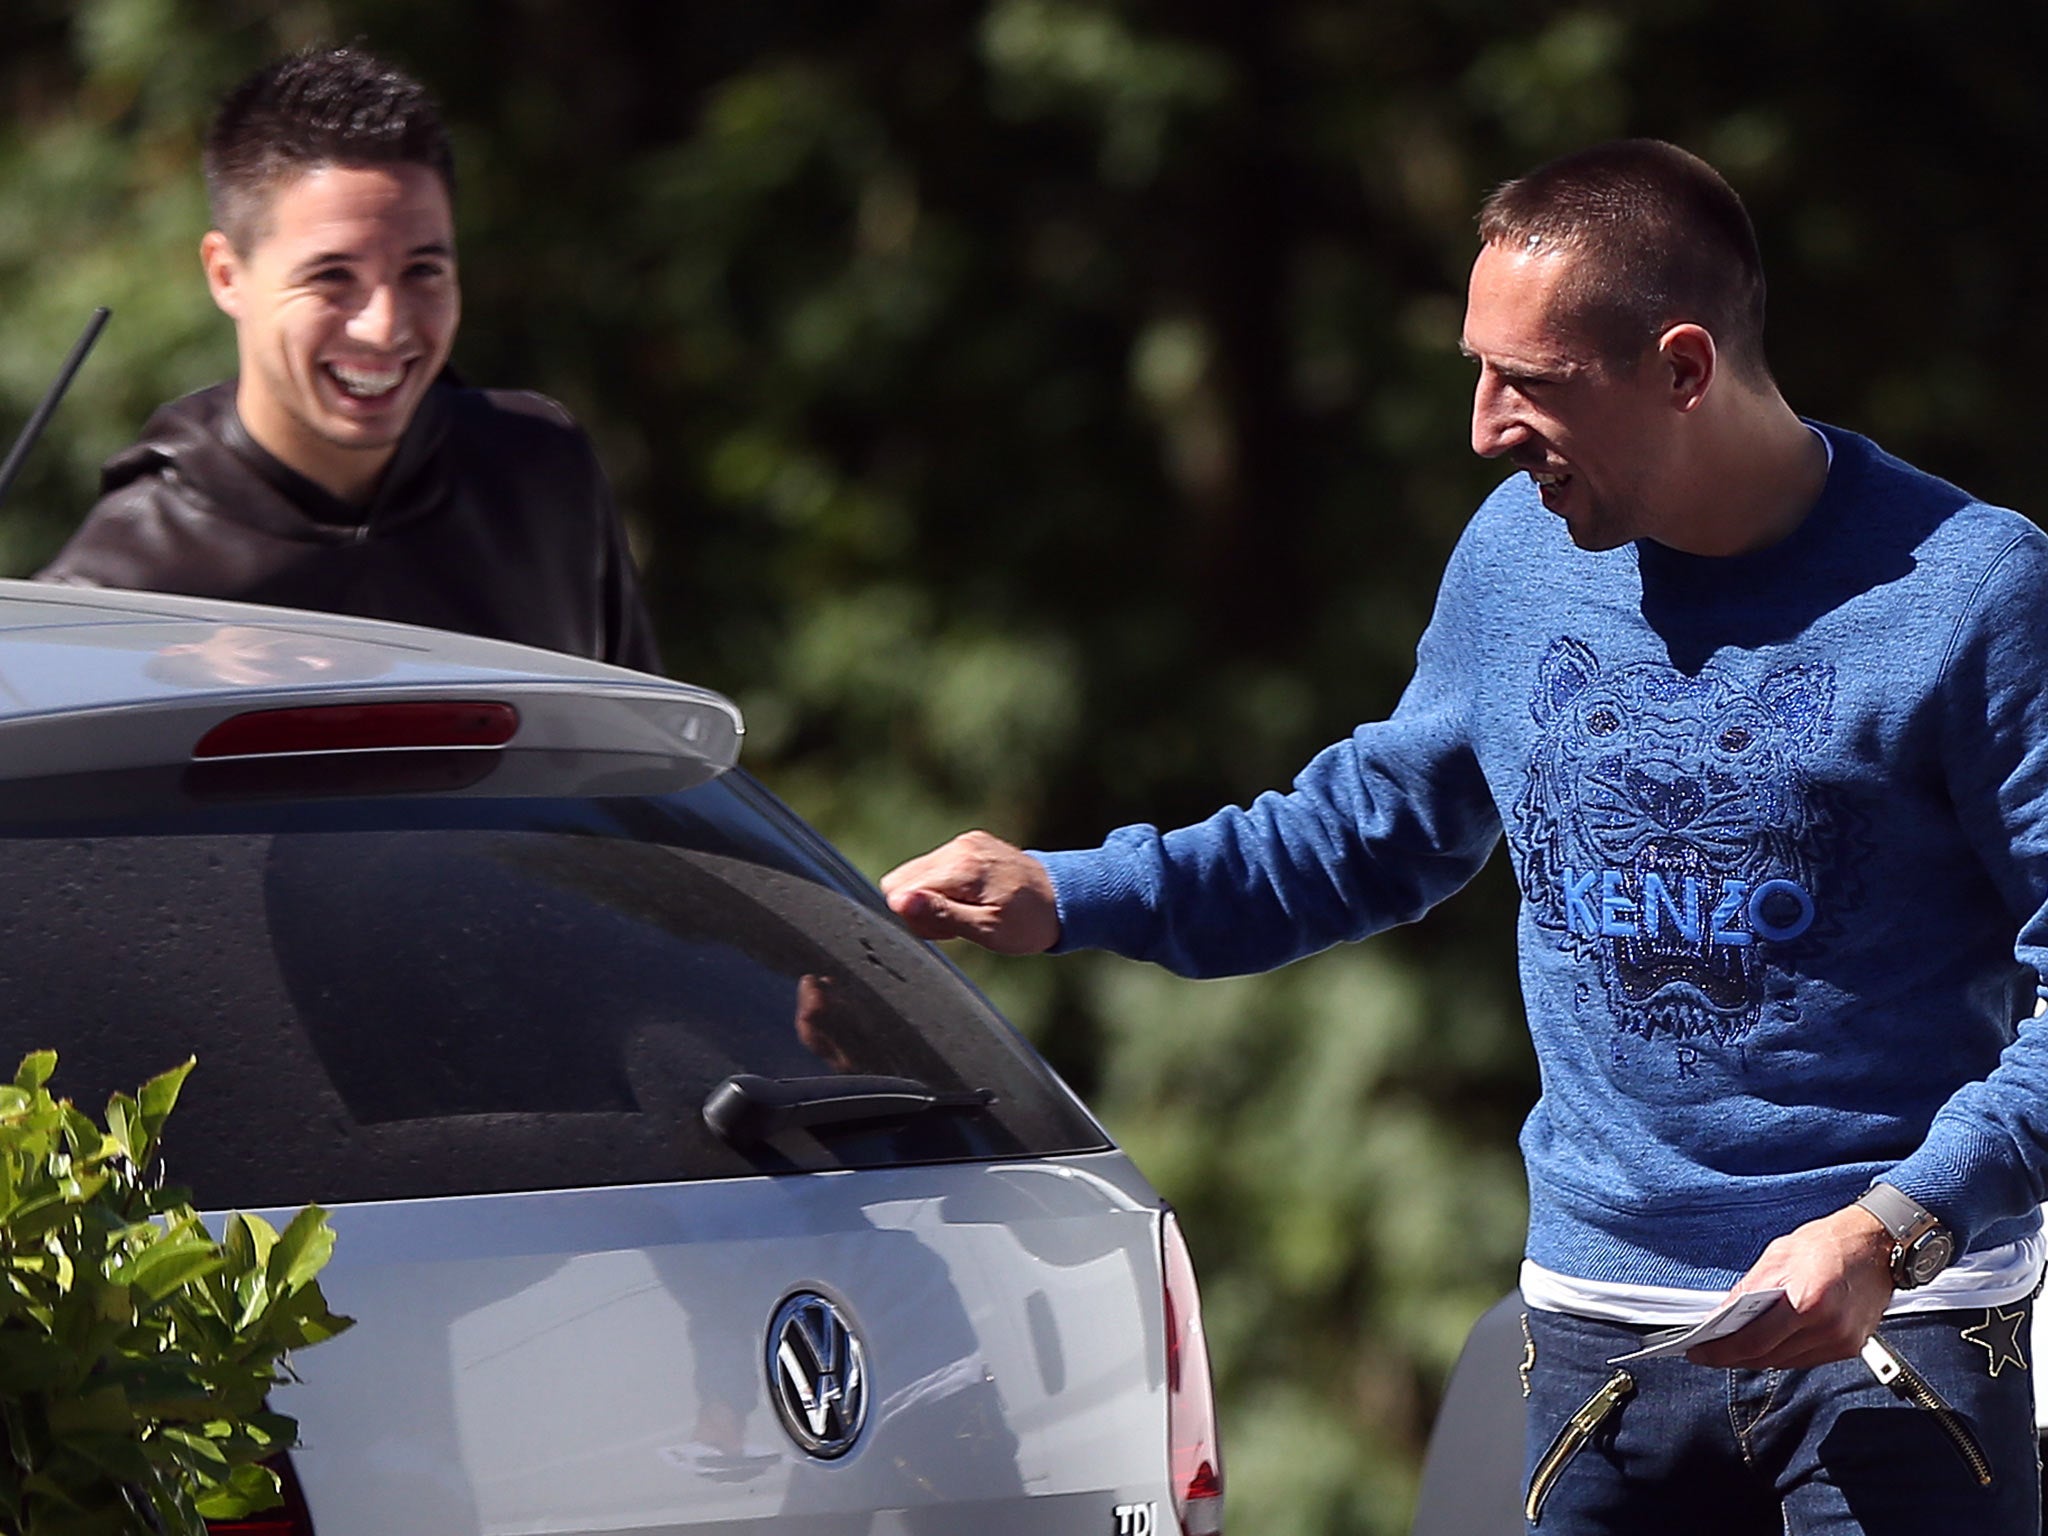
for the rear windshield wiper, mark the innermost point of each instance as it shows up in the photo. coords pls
(746, 1110)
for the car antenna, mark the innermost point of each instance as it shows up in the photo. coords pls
(48, 407)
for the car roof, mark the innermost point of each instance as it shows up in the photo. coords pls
(96, 680)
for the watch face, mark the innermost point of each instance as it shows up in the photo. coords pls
(1928, 1257)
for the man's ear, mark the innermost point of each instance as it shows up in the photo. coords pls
(1688, 359)
(223, 270)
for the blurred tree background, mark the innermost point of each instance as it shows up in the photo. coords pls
(1045, 414)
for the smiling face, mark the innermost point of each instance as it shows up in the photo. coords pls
(345, 306)
(1591, 432)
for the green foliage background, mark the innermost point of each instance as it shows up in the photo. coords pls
(1044, 414)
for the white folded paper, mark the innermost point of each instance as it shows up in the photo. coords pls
(1732, 1314)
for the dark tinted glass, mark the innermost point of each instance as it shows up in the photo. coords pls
(421, 997)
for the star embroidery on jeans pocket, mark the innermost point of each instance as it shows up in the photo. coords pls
(1999, 1337)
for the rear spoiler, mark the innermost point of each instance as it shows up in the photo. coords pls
(512, 736)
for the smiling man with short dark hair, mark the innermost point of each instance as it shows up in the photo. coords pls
(343, 469)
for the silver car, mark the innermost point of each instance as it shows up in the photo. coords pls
(676, 1187)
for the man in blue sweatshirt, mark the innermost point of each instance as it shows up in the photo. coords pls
(1759, 710)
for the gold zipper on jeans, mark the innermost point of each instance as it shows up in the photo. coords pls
(1892, 1371)
(1572, 1439)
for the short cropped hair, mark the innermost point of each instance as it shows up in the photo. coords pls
(324, 106)
(1661, 239)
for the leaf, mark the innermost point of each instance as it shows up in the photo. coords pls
(35, 1070)
(279, 1431)
(302, 1250)
(121, 1113)
(32, 1220)
(87, 1140)
(63, 1270)
(192, 1407)
(176, 1514)
(160, 1269)
(194, 1451)
(162, 1385)
(314, 1323)
(249, 1241)
(247, 1490)
(255, 1297)
(158, 1097)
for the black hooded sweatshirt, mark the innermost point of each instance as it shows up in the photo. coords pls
(492, 518)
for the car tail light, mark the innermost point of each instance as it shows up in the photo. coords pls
(403, 725)
(1194, 1455)
(289, 1519)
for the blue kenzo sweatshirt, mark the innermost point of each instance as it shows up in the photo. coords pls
(1780, 824)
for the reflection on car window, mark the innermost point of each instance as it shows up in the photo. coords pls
(537, 994)
(515, 968)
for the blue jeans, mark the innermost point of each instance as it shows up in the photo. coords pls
(1685, 1448)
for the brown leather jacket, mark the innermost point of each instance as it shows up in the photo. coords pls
(492, 519)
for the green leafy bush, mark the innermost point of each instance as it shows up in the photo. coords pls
(135, 1350)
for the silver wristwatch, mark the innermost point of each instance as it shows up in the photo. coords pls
(1921, 1246)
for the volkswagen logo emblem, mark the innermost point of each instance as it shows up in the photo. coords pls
(817, 1375)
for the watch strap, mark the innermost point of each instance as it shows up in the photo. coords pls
(1904, 1217)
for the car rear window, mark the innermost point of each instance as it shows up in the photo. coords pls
(402, 998)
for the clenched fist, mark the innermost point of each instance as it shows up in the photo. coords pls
(977, 887)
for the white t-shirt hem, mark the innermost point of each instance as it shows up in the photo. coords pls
(1996, 1277)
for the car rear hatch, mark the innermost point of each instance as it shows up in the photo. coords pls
(486, 1034)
